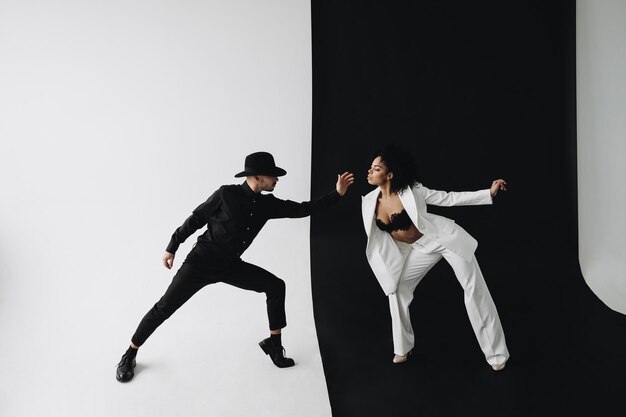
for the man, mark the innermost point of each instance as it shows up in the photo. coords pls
(234, 215)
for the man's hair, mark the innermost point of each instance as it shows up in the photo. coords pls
(399, 161)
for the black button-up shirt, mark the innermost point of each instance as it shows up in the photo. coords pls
(234, 215)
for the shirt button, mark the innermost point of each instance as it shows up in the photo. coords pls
(251, 214)
(254, 201)
(244, 242)
(247, 228)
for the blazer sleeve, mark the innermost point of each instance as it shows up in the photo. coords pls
(454, 198)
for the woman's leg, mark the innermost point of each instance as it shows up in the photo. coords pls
(418, 263)
(480, 308)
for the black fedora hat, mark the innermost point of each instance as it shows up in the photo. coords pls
(261, 163)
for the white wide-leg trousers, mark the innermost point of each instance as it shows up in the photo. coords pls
(424, 254)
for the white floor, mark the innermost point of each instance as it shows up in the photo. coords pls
(58, 356)
(116, 120)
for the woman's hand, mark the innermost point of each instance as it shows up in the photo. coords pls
(496, 186)
(343, 182)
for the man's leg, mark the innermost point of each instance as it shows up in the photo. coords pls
(251, 277)
(187, 281)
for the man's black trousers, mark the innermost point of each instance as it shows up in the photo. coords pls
(193, 275)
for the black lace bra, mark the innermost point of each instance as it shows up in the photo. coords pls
(398, 221)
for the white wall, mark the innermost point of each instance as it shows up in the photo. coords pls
(117, 118)
(601, 116)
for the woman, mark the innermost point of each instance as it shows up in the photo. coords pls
(405, 242)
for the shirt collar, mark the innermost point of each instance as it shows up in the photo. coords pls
(247, 190)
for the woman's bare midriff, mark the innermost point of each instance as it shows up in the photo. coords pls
(407, 236)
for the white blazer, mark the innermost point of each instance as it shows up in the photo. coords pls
(386, 256)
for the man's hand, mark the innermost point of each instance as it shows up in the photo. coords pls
(497, 185)
(168, 260)
(343, 182)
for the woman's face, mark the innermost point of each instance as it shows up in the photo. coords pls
(378, 173)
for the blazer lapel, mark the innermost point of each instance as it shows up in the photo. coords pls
(408, 201)
(368, 207)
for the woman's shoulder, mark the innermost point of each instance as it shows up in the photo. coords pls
(411, 188)
(417, 187)
(372, 194)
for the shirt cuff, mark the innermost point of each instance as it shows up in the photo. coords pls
(172, 247)
(333, 196)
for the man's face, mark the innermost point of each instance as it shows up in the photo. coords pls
(266, 182)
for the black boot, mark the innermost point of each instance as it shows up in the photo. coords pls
(125, 369)
(277, 353)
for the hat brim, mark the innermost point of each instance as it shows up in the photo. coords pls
(276, 172)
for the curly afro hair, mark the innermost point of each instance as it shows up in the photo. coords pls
(400, 161)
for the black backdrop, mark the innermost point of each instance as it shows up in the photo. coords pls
(477, 91)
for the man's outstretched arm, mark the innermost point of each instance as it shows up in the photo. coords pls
(292, 209)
